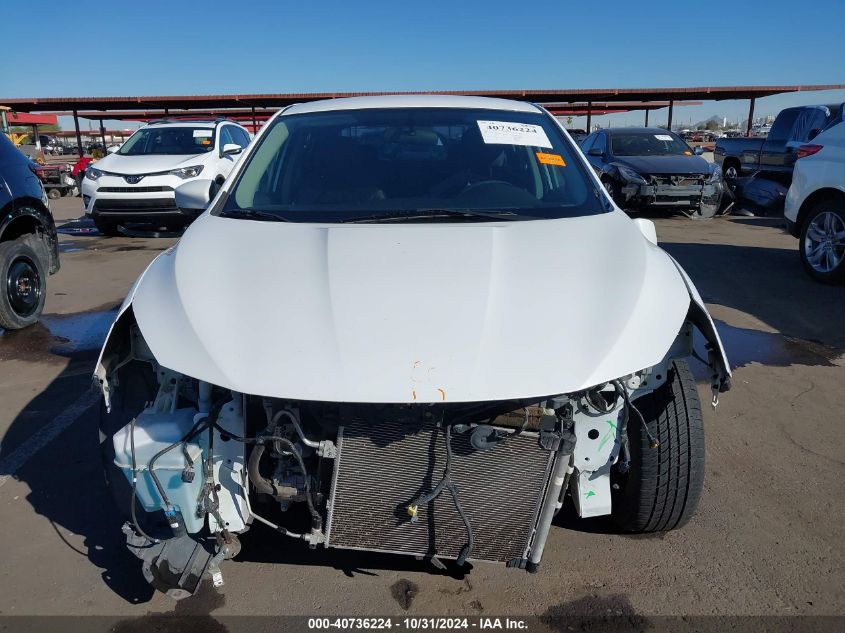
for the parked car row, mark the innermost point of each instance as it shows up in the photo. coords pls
(776, 153)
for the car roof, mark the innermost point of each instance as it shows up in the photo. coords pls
(412, 101)
(195, 123)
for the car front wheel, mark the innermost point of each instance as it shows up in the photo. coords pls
(24, 286)
(613, 190)
(662, 485)
(822, 244)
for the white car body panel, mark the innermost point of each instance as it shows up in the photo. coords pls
(823, 170)
(399, 313)
(410, 313)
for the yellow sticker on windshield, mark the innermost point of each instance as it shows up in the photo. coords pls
(551, 159)
(205, 141)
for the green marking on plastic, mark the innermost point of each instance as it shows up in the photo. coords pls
(591, 494)
(610, 433)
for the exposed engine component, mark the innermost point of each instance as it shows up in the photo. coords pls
(464, 481)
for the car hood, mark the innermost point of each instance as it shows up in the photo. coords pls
(147, 164)
(665, 164)
(391, 313)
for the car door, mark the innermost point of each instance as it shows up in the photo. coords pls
(774, 149)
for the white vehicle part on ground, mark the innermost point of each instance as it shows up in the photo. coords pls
(375, 313)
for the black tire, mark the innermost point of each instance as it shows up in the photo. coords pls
(731, 169)
(613, 189)
(662, 488)
(24, 284)
(109, 229)
(829, 271)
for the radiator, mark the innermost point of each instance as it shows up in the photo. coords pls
(380, 469)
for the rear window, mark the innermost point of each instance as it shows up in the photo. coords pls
(340, 165)
(169, 140)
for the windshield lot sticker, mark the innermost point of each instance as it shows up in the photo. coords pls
(663, 137)
(202, 133)
(504, 133)
(551, 159)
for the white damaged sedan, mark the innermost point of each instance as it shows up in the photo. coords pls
(405, 324)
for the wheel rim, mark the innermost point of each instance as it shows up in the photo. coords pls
(23, 287)
(730, 172)
(824, 243)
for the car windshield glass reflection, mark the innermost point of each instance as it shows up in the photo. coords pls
(414, 164)
(169, 140)
(648, 144)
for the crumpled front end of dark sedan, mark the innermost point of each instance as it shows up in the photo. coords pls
(694, 192)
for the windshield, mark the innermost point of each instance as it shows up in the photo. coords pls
(412, 163)
(169, 140)
(648, 144)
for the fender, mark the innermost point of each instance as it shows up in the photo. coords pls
(700, 317)
(28, 209)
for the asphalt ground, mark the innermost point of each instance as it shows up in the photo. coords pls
(767, 538)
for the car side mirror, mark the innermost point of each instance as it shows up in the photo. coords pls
(230, 149)
(595, 151)
(194, 195)
(648, 229)
(698, 151)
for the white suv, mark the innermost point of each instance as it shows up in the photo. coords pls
(815, 205)
(135, 185)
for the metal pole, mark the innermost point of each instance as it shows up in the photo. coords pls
(3, 121)
(671, 106)
(589, 116)
(750, 116)
(103, 136)
(646, 117)
(78, 134)
(254, 123)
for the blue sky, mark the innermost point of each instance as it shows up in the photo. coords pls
(87, 48)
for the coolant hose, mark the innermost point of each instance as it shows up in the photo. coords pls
(258, 481)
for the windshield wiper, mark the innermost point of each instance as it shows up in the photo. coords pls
(253, 214)
(435, 214)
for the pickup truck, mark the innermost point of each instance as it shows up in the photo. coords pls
(776, 153)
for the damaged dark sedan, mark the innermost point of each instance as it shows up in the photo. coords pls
(648, 168)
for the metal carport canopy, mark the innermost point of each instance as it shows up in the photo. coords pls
(56, 104)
